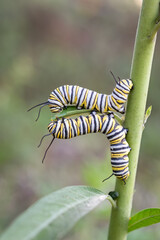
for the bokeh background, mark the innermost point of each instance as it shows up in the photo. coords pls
(45, 44)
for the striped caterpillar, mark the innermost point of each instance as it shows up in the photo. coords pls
(67, 95)
(93, 123)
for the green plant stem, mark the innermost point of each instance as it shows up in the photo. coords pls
(140, 74)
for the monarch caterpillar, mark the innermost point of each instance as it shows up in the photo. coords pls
(93, 123)
(66, 95)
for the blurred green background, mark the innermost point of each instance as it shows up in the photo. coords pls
(45, 44)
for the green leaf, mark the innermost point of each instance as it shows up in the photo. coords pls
(147, 114)
(69, 112)
(73, 111)
(54, 215)
(144, 218)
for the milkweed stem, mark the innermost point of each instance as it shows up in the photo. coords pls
(140, 75)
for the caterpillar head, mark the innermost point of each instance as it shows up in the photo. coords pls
(54, 126)
(51, 127)
(54, 102)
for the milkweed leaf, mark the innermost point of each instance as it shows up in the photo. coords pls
(147, 114)
(144, 218)
(54, 215)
